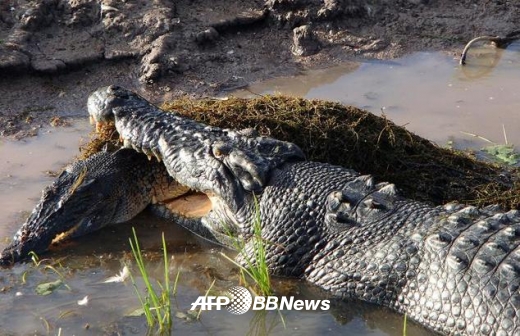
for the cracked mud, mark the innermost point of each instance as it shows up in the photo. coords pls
(54, 52)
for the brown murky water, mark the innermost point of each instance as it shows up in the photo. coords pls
(25, 166)
(86, 263)
(428, 92)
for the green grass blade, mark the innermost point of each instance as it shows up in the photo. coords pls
(156, 306)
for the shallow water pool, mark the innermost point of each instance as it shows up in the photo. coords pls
(428, 92)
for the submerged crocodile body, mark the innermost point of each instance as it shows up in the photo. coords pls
(453, 268)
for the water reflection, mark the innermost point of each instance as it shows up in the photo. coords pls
(25, 166)
(87, 262)
(428, 92)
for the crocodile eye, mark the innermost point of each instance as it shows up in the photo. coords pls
(217, 152)
(221, 150)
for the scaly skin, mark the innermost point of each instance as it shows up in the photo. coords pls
(229, 165)
(89, 194)
(454, 269)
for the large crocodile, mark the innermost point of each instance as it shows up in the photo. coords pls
(453, 268)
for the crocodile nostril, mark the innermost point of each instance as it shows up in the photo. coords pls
(113, 88)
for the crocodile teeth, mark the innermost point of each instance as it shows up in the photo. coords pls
(136, 148)
(368, 180)
(99, 126)
(127, 143)
(156, 153)
(92, 120)
(373, 204)
(148, 153)
(453, 206)
(381, 185)
(469, 210)
(389, 189)
(493, 208)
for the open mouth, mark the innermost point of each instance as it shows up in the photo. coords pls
(190, 205)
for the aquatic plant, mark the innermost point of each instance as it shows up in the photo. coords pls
(503, 153)
(46, 265)
(206, 295)
(155, 304)
(262, 324)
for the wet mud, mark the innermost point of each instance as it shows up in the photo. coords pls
(54, 52)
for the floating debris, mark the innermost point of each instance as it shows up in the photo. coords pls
(48, 287)
(84, 301)
(121, 277)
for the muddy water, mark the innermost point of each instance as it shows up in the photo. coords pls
(428, 92)
(86, 263)
(26, 167)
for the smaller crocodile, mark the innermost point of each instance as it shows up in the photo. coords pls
(455, 269)
(86, 191)
(104, 189)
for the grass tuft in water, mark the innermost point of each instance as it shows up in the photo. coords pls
(42, 265)
(262, 324)
(254, 255)
(45, 266)
(206, 295)
(156, 304)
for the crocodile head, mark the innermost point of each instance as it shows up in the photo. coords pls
(227, 167)
(86, 196)
(209, 185)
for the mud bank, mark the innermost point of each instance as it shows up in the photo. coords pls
(54, 52)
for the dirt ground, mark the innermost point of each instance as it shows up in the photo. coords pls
(53, 53)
